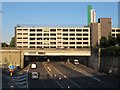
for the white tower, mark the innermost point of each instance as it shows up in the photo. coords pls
(93, 16)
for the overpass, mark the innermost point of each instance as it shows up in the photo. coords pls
(16, 56)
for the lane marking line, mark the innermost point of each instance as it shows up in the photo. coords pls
(52, 77)
(67, 78)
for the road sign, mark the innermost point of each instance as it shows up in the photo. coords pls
(11, 67)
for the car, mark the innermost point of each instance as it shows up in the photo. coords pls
(35, 75)
(76, 62)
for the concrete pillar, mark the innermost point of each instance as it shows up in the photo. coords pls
(22, 60)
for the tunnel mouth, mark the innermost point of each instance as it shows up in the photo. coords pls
(28, 59)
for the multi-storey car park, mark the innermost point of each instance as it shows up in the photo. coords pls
(52, 37)
(115, 32)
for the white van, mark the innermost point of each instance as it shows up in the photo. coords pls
(33, 66)
(76, 62)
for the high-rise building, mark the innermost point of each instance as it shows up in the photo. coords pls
(100, 29)
(93, 16)
(89, 8)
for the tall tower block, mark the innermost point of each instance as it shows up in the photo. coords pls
(89, 8)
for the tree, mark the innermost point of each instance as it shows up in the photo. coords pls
(103, 42)
(12, 42)
(4, 44)
(111, 41)
(118, 39)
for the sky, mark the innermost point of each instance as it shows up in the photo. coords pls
(52, 13)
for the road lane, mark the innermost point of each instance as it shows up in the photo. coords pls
(79, 78)
(103, 77)
(65, 82)
(45, 81)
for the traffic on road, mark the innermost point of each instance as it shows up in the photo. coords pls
(62, 75)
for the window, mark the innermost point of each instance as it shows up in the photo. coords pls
(79, 46)
(85, 42)
(72, 38)
(85, 30)
(53, 47)
(19, 42)
(58, 29)
(25, 33)
(32, 46)
(65, 30)
(53, 30)
(46, 38)
(72, 34)
(25, 38)
(19, 46)
(39, 34)
(65, 42)
(46, 34)
(72, 30)
(65, 38)
(46, 46)
(32, 38)
(32, 34)
(78, 34)
(72, 42)
(32, 42)
(59, 38)
(39, 30)
(79, 42)
(39, 47)
(24, 46)
(72, 46)
(52, 34)
(39, 42)
(19, 29)
(117, 30)
(52, 38)
(25, 42)
(19, 33)
(85, 34)
(85, 38)
(32, 30)
(113, 30)
(78, 30)
(19, 38)
(39, 38)
(79, 38)
(52, 42)
(65, 34)
(25, 29)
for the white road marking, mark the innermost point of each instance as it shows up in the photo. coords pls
(49, 68)
(88, 74)
(65, 75)
(52, 76)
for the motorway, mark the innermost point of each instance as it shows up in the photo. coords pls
(67, 75)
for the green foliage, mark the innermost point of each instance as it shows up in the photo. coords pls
(4, 45)
(118, 39)
(12, 43)
(103, 42)
(111, 41)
